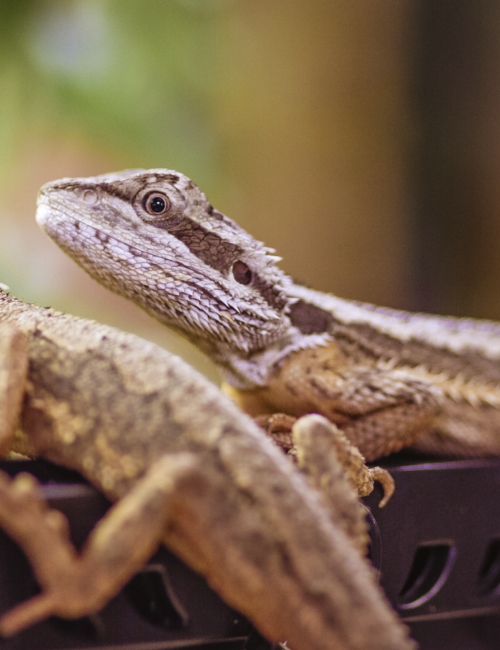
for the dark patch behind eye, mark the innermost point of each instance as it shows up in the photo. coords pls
(221, 255)
(209, 247)
(310, 319)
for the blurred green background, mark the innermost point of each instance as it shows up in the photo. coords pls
(360, 139)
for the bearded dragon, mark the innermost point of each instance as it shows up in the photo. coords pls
(204, 481)
(389, 379)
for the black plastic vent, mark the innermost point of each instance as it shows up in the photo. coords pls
(89, 627)
(150, 593)
(429, 571)
(489, 574)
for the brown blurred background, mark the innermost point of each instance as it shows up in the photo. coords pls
(361, 139)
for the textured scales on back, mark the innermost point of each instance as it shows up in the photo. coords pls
(388, 378)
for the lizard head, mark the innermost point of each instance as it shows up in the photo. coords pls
(153, 237)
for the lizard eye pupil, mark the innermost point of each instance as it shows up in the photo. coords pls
(156, 203)
(242, 273)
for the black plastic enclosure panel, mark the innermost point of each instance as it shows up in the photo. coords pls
(437, 545)
(165, 606)
(437, 542)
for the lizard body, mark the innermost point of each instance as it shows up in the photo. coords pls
(388, 378)
(204, 481)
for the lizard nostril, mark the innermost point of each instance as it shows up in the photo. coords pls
(242, 272)
(90, 197)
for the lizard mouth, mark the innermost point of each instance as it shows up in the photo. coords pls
(44, 210)
(49, 215)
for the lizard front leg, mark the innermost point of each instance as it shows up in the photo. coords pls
(257, 558)
(311, 440)
(380, 409)
(75, 584)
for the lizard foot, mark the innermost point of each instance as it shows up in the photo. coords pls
(278, 427)
(43, 534)
(76, 584)
(353, 462)
(323, 459)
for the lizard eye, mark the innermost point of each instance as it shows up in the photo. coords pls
(156, 204)
(242, 272)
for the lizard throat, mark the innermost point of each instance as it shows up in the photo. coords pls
(255, 371)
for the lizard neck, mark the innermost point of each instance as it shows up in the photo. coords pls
(307, 323)
(255, 371)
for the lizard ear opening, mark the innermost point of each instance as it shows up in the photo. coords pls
(310, 319)
(242, 272)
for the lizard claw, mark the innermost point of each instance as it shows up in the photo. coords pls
(386, 481)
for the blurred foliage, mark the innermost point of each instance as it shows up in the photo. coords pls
(87, 86)
(133, 76)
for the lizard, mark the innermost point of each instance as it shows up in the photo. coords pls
(204, 481)
(387, 379)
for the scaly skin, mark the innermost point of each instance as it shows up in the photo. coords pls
(204, 481)
(389, 379)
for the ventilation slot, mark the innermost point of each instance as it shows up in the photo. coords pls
(429, 571)
(152, 596)
(489, 574)
(89, 627)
